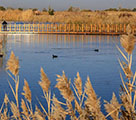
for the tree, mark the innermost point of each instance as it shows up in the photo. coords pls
(34, 9)
(44, 10)
(50, 11)
(21, 9)
(2, 8)
(10, 8)
(112, 9)
(134, 9)
(70, 9)
(73, 9)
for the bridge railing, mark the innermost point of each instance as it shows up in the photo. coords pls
(67, 28)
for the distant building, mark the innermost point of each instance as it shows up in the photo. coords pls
(4, 24)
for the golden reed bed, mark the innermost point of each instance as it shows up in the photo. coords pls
(81, 102)
(98, 17)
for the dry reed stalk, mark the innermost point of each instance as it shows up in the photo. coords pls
(58, 113)
(45, 85)
(15, 110)
(63, 84)
(78, 108)
(128, 95)
(92, 102)
(113, 108)
(27, 91)
(6, 100)
(4, 116)
(127, 70)
(13, 64)
(71, 111)
(25, 110)
(45, 82)
(38, 115)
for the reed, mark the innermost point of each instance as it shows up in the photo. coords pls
(94, 17)
(80, 103)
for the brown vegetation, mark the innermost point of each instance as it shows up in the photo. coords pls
(94, 17)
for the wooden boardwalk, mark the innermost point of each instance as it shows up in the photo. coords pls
(82, 29)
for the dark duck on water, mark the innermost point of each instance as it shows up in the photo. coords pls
(54, 56)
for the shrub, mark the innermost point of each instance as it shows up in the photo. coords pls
(44, 10)
(21, 9)
(34, 9)
(73, 9)
(2, 8)
(10, 8)
(125, 9)
(134, 9)
(70, 9)
(121, 15)
(86, 10)
(50, 11)
(112, 9)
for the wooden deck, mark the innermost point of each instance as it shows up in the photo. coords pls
(82, 29)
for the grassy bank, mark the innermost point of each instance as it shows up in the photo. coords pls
(97, 17)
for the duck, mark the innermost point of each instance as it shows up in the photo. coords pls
(96, 50)
(54, 56)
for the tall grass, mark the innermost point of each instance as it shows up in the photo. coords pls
(81, 102)
(97, 17)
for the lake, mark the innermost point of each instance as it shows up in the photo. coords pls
(75, 54)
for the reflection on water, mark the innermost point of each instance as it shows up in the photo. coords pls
(1, 62)
(60, 39)
(75, 54)
(3, 40)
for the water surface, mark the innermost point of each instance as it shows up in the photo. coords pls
(75, 54)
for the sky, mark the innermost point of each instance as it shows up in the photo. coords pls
(65, 4)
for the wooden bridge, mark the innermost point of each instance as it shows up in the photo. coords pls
(102, 29)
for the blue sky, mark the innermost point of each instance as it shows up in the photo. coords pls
(64, 4)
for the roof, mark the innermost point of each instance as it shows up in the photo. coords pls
(4, 22)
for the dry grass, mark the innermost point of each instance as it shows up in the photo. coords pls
(80, 103)
(99, 17)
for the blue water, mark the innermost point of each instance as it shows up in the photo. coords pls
(75, 54)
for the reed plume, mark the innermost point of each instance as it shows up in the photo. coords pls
(13, 64)
(45, 82)
(27, 91)
(127, 42)
(78, 84)
(92, 102)
(63, 84)
(6, 99)
(113, 108)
